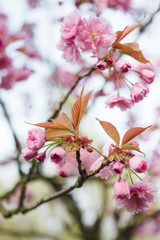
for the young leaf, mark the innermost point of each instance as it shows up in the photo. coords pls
(61, 123)
(57, 133)
(131, 49)
(125, 32)
(111, 131)
(79, 108)
(132, 133)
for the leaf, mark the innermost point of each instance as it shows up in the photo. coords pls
(79, 108)
(125, 32)
(61, 123)
(130, 147)
(111, 131)
(132, 133)
(57, 133)
(131, 49)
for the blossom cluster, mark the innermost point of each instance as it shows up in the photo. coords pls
(95, 35)
(135, 197)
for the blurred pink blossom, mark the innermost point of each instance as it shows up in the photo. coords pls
(121, 102)
(139, 91)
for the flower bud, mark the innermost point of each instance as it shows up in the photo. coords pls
(121, 189)
(36, 139)
(41, 156)
(118, 167)
(28, 154)
(147, 75)
(139, 90)
(138, 164)
(57, 155)
(101, 65)
(122, 66)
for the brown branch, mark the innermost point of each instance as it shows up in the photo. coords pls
(55, 114)
(27, 234)
(143, 27)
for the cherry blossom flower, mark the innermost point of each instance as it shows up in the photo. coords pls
(28, 154)
(41, 156)
(70, 24)
(147, 75)
(139, 90)
(101, 65)
(121, 102)
(100, 4)
(35, 139)
(70, 51)
(122, 66)
(118, 167)
(121, 189)
(57, 155)
(119, 4)
(95, 35)
(138, 164)
(140, 196)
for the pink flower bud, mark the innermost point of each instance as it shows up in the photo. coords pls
(139, 90)
(138, 164)
(147, 75)
(28, 154)
(122, 66)
(63, 169)
(41, 156)
(36, 139)
(57, 155)
(110, 61)
(118, 167)
(121, 189)
(101, 65)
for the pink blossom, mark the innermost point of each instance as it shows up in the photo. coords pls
(139, 90)
(118, 167)
(105, 172)
(8, 80)
(68, 167)
(119, 4)
(87, 158)
(66, 78)
(57, 155)
(35, 139)
(33, 3)
(101, 65)
(138, 164)
(70, 51)
(121, 189)
(141, 194)
(28, 154)
(95, 35)
(100, 4)
(5, 61)
(147, 75)
(121, 102)
(22, 74)
(122, 66)
(70, 24)
(41, 156)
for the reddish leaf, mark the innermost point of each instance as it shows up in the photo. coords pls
(61, 123)
(132, 133)
(126, 31)
(79, 108)
(111, 131)
(131, 49)
(57, 133)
